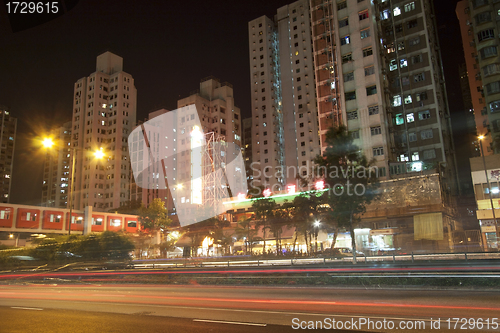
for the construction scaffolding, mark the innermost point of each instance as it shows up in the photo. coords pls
(215, 187)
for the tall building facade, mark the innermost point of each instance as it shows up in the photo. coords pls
(350, 75)
(247, 149)
(8, 129)
(104, 113)
(372, 66)
(187, 147)
(285, 133)
(414, 88)
(56, 169)
(480, 19)
(473, 71)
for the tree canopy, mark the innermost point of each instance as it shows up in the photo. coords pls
(352, 180)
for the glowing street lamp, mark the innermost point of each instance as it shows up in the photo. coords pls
(481, 138)
(99, 154)
(47, 143)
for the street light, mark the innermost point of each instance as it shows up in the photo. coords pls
(316, 225)
(481, 138)
(49, 143)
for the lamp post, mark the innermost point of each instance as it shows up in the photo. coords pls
(481, 137)
(316, 227)
(48, 143)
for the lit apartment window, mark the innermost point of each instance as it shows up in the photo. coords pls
(365, 33)
(403, 63)
(393, 65)
(410, 117)
(408, 99)
(397, 11)
(396, 100)
(363, 15)
(345, 40)
(423, 115)
(409, 6)
(385, 14)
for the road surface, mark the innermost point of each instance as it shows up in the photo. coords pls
(240, 305)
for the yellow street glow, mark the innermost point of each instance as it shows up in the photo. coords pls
(99, 153)
(47, 143)
(480, 137)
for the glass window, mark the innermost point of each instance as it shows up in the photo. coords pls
(371, 90)
(369, 70)
(351, 115)
(409, 6)
(422, 115)
(397, 11)
(363, 15)
(348, 76)
(350, 95)
(399, 119)
(372, 110)
(410, 117)
(376, 130)
(365, 33)
(396, 100)
(345, 40)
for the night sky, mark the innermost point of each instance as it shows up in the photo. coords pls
(167, 46)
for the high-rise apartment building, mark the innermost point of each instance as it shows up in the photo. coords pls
(247, 149)
(104, 113)
(8, 128)
(349, 75)
(473, 62)
(284, 116)
(147, 194)
(479, 18)
(414, 88)
(186, 150)
(57, 166)
(373, 66)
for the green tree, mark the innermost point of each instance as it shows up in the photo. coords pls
(246, 230)
(154, 217)
(351, 178)
(305, 211)
(154, 220)
(263, 212)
